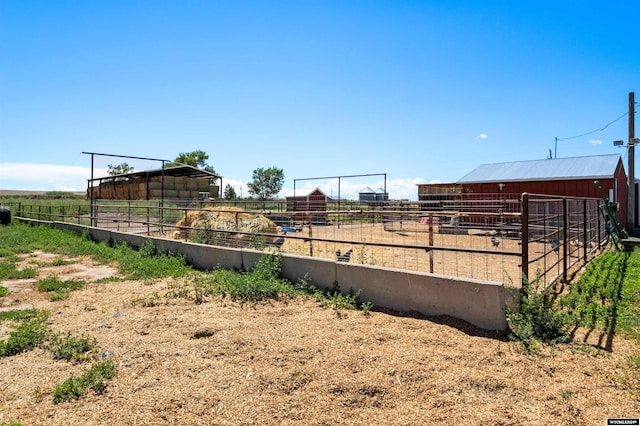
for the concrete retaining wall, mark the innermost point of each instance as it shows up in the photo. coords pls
(481, 303)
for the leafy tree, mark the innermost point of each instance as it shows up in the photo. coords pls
(266, 183)
(230, 192)
(195, 158)
(119, 169)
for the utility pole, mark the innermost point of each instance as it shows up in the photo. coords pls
(631, 184)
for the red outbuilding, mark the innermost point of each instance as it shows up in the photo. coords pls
(573, 176)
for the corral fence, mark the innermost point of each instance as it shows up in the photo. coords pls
(496, 237)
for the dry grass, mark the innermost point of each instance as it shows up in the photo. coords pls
(293, 362)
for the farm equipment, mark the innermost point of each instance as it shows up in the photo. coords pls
(613, 226)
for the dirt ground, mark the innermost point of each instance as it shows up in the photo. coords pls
(492, 265)
(294, 362)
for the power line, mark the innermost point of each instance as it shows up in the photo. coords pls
(593, 131)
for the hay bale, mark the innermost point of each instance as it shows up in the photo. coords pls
(203, 185)
(219, 225)
(191, 184)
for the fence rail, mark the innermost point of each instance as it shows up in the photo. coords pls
(494, 237)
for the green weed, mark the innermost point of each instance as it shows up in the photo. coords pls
(261, 283)
(12, 423)
(537, 319)
(566, 394)
(633, 361)
(150, 300)
(588, 350)
(10, 271)
(94, 379)
(18, 314)
(26, 336)
(3, 291)
(54, 284)
(73, 349)
(148, 263)
(366, 308)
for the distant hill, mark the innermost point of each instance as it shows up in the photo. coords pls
(24, 193)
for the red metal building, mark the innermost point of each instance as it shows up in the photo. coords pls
(573, 176)
(314, 200)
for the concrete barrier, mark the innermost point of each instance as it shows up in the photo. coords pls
(320, 272)
(481, 303)
(206, 257)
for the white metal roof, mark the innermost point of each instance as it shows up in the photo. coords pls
(593, 167)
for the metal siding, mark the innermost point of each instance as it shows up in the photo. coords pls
(572, 188)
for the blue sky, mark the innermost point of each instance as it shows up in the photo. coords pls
(423, 91)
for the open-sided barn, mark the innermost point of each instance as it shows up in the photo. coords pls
(573, 176)
(180, 182)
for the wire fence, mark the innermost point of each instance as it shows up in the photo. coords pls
(503, 238)
(561, 234)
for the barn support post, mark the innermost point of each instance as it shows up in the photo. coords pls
(565, 227)
(524, 210)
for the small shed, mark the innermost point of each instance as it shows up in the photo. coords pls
(310, 200)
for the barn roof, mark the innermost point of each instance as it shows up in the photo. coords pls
(592, 167)
(305, 192)
(185, 171)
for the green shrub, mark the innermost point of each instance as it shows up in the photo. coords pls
(261, 283)
(537, 318)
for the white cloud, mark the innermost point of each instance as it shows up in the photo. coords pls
(482, 136)
(238, 186)
(595, 141)
(46, 177)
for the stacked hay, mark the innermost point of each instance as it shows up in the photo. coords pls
(156, 187)
(220, 226)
